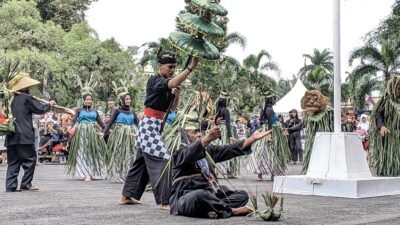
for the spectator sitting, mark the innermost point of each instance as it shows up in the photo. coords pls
(254, 124)
(54, 132)
(361, 133)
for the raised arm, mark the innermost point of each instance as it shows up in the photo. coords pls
(227, 152)
(35, 106)
(177, 80)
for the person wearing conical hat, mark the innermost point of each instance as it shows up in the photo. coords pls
(195, 190)
(88, 150)
(385, 131)
(152, 155)
(121, 143)
(20, 144)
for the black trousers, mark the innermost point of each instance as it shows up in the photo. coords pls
(20, 155)
(147, 168)
(199, 203)
(295, 147)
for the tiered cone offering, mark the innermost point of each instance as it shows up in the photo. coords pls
(196, 25)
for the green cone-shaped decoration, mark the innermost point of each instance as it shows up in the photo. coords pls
(211, 6)
(195, 47)
(196, 25)
(201, 25)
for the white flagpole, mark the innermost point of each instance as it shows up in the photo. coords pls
(336, 70)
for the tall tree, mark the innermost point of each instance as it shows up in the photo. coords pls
(373, 60)
(358, 88)
(56, 57)
(388, 28)
(35, 44)
(253, 63)
(318, 59)
(319, 79)
(64, 12)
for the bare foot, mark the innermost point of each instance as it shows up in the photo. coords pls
(165, 207)
(128, 201)
(242, 211)
(87, 178)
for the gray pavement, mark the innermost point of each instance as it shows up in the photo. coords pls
(62, 200)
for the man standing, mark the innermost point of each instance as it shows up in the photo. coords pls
(20, 144)
(152, 156)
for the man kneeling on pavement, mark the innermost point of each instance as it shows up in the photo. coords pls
(195, 190)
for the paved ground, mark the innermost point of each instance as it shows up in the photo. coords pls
(62, 200)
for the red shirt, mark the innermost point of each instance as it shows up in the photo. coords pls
(2, 118)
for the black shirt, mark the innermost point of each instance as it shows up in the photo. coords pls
(184, 164)
(158, 94)
(22, 107)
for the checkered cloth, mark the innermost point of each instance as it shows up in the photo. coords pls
(149, 139)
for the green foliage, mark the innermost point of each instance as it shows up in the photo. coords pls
(56, 57)
(322, 59)
(65, 13)
(283, 87)
(356, 88)
(270, 200)
(384, 58)
(318, 75)
(389, 27)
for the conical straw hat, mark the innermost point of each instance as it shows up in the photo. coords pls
(21, 81)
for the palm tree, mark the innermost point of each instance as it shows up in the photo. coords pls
(385, 60)
(365, 86)
(319, 79)
(151, 50)
(232, 38)
(253, 63)
(357, 88)
(254, 70)
(322, 60)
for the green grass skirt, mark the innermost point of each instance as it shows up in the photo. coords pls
(270, 156)
(316, 123)
(386, 150)
(229, 168)
(121, 152)
(87, 153)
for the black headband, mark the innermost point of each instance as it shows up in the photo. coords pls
(166, 57)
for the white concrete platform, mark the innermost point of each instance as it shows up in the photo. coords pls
(338, 168)
(347, 188)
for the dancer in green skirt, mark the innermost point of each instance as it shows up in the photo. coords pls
(230, 168)
(88, 149)
(385, 131)
(271, 154)
(121, 143)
